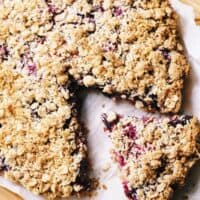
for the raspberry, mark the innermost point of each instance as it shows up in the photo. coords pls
(117, 11)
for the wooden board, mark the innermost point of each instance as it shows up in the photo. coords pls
(6, 194)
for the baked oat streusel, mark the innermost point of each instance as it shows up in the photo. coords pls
(126, 48)
(153, 155)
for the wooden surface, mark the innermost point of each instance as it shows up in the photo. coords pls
(6, 194)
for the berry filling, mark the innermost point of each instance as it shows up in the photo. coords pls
(31, 69)
(183, 121)
(28, 64)
(120, 159)
(82, 178)
(131, 194)
(130, 131)
(154, 102)
(109, 124)
(3, 52)
(52, 8)
(166, 54)
(117, 11)
(3, 166)
(110, 46)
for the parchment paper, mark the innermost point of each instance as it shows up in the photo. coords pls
(99, 145)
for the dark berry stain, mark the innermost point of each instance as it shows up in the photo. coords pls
(83, 178)
(41, 39)
(147, 89)
(182, 121)
(131, 194)
(117, 11)
(162, 166)
(120, 159)
(138, 150)
(3, 52)
(66, 124)
(51, 8)
(109, 125)
(3, 165)
(130, 131)
(28, 64)
(90, 1)
(90, 15)
(80, 15)
(154, 102)
(31, 69)
(166, 54)
(110, 46)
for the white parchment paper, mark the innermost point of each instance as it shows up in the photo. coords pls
(99, 145)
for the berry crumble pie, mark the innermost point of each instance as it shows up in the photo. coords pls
(129, 49)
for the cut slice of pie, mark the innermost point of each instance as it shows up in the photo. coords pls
(153, 155)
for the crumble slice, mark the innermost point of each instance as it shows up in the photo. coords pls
(153, 155)
(129, 49)
(42, 146)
